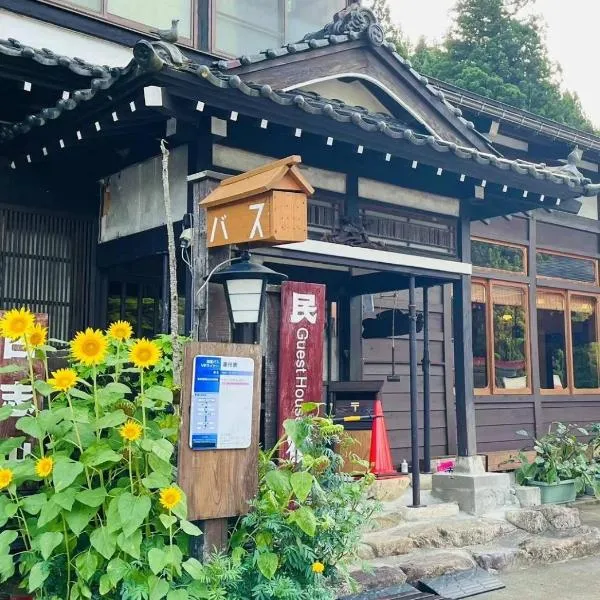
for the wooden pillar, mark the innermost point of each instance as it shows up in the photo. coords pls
(414, 395)
(449, 370)
(270, 341)
(463, 349)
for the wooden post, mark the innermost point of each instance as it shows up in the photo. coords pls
(414, 395)
(463, 349)
(426, 386)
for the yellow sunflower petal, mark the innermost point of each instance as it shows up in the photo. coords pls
(318, 567)
(37, 336)
(144, 354)
(89, 347)
(16, 323)
(120, 330)
(131, 431)
(6, 477)
(44, 466)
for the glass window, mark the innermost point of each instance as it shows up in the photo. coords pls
(480, 339)
(243, 27)
(552, 340)
(155, 13)
(95, 5)
(510, 337)
(566, 267)
(586, 370)
(497, 256)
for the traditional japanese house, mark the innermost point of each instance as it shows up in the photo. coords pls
(403, 181)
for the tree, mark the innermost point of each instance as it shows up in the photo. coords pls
(494, 51)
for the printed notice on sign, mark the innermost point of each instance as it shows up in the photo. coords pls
(221, 407)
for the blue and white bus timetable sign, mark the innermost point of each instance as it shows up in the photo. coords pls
(221, 407)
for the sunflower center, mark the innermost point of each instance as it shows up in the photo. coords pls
(144, 354)
(91, 347)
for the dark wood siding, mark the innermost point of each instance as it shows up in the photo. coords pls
(498, 423)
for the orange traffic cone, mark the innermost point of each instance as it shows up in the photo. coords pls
(381, 456)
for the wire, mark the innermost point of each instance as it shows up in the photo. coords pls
(187, 261)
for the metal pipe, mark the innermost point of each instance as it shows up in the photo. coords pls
(414, 397)
(426, 387)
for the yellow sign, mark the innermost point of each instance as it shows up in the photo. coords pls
(266, 206)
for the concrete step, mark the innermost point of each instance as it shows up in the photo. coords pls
(395, 513)
(451, 532)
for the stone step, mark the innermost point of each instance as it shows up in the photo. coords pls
(452, 532)
(394, 514)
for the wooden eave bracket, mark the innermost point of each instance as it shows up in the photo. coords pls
(282, 175)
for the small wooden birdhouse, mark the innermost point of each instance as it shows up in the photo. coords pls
(263, 207)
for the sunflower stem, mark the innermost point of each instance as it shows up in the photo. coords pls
(25, 533)
(68, 557)
(96, 403)
(130, 469)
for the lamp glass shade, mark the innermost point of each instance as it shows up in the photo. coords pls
(245, 298)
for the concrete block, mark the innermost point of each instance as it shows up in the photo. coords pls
(425, 481)
(469, 465)
(429, 512)
(386, 490)
(527, 519)
(477, 493)
(528, 496)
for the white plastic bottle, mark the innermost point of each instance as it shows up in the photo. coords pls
(404, 467)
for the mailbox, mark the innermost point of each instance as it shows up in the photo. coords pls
(262, 207)
(352, 404)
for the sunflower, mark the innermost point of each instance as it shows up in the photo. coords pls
(6, 477)
(44, 466)
(89, 347)
(36, 336)
(16, 323)
(170, 497)
(63, 380)
(144, 354)
(120, 330)
(318, 567)
(131, 431)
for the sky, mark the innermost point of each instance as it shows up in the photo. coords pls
(572, 35)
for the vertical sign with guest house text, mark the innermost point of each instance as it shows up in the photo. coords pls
(301, 337)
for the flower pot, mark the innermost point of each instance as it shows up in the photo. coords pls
(556, 493)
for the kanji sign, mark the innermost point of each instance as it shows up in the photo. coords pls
(301, 336)
(15, 389)
(264, 206)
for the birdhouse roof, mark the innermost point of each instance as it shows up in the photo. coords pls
(281, 175)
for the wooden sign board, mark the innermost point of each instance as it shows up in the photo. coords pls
(265, 206)
(218, 483)
(15, 388)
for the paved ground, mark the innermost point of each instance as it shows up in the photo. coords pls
(573, 580)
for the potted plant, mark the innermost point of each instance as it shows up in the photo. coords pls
(560, 467)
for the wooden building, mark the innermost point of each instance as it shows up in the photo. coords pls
(404, 180)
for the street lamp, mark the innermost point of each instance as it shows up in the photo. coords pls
(245, 285)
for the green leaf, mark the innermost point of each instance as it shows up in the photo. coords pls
(81, 395)
(113, 519)
(4, 516)
(190, 528)
(167, 520)
(305, 518)
(66, 498)
(79, 517)
(157, 559)
(267, 563)
(158, 588)
(133, 510)
(194, 568)
(94, 497)
(113, 419)
(155, 481)
(30, 426)
(104, 541)
(48, 513)
(279, 482)
(130, 544)
(163, 467)
(7, 567)
(10, 444)
(77, 415)
(6, 412)
(116, 569)
(43, 387)
(163, 449)
(309, 407)
(174, 557)
(65, 472)
(10, 369)
(7, 537)
(160, 393)
(178, 595)
(105, 585)
(33, 504)
(48, 541)
(302, 483)
(86, 564)
(38, 574)
(99, 454)
(118, 388)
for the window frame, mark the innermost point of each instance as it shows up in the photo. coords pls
(212, 19)
(521, 247)
(104, 15)
(568, 255)
(571, 389)
(492, 389)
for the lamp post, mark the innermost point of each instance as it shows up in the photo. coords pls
(245, 285)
